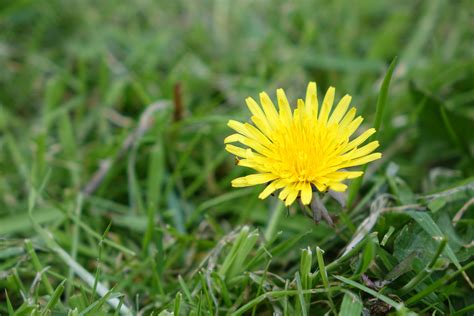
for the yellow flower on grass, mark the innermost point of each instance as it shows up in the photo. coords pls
(299, 150)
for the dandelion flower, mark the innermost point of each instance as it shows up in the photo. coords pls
(301, 150)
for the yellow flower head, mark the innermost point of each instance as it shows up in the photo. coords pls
(296, 151)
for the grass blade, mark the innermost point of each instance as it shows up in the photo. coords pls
(53, 301)
(275, 219)
(38, 267)
(351, 305)
(301, 300)
(278, 294)
(79, 270)
(437, 284)
(11, 312)
(324, 275)
(361, 287)
(177, 303)
(379, 112)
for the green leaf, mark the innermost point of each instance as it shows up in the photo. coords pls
(414, 239)
(351, 305)
(368, 255)
(427, 223)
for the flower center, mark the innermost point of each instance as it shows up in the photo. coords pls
(304, 151)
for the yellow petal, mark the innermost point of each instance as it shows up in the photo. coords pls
(342, 175)
(269, 109)
(280, 183)
(354, 174)
(360, 139)
(312, 100)
(320, 186)
(253, 179)
(362, 160)
(238, 127)
(267, 191)
(262, 125)
(284, 193)
(291, 196)
(338, 187)
(284, 107)
(247, 130)
(363, 151)
(255, 108)
(327, 105)
(233, 138)
(256, 111)
(340, 110)
(347, 119)
(260, 178)
(306, 193)
(251, 163)
(255, 145)
(239, 152)
(352, 127)
(256, 134)
(301, 113)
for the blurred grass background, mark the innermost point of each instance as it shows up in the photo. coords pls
(163, 230)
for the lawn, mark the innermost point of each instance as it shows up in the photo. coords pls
(115, 185)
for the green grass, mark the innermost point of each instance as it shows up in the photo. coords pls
(115, 192)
